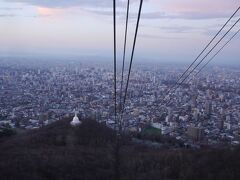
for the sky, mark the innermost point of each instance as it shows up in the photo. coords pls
(170, 30)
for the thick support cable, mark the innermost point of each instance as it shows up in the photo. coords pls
(124, 54)
(184, 73)
(115, 61)
(132, 55)
(217, 52)
(209, 51)
(208, 44)
(205, 56)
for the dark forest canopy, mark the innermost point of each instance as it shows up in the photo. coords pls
(59, 151)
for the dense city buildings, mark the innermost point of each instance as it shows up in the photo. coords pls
(204, 110)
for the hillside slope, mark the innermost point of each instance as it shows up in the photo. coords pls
(61, 152)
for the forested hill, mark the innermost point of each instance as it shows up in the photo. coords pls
(87, 152)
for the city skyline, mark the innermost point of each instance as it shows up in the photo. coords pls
(169, 30)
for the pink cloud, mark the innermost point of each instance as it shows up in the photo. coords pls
(204, 6)
(48, 11)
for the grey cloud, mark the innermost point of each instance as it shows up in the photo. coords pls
(213, 32)
(96, 6)
(184, 15)
(99, 12)
(70, 3)
(7, 15)
(9, 9)
(157, 37)
(39, 16)
(163, 15)
(178, 29)
(202, 15)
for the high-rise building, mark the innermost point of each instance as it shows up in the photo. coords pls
(208, 108)
(196, 114)
(194, 100)
(220, 123)
(209, 94)
(170, 115)
(195, 133)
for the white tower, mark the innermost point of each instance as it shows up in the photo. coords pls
(75, 121)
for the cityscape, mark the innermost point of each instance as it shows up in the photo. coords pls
(204, 111)
(119, 90)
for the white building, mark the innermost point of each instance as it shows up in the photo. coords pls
(75, 121)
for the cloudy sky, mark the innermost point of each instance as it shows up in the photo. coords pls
(170, 30)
